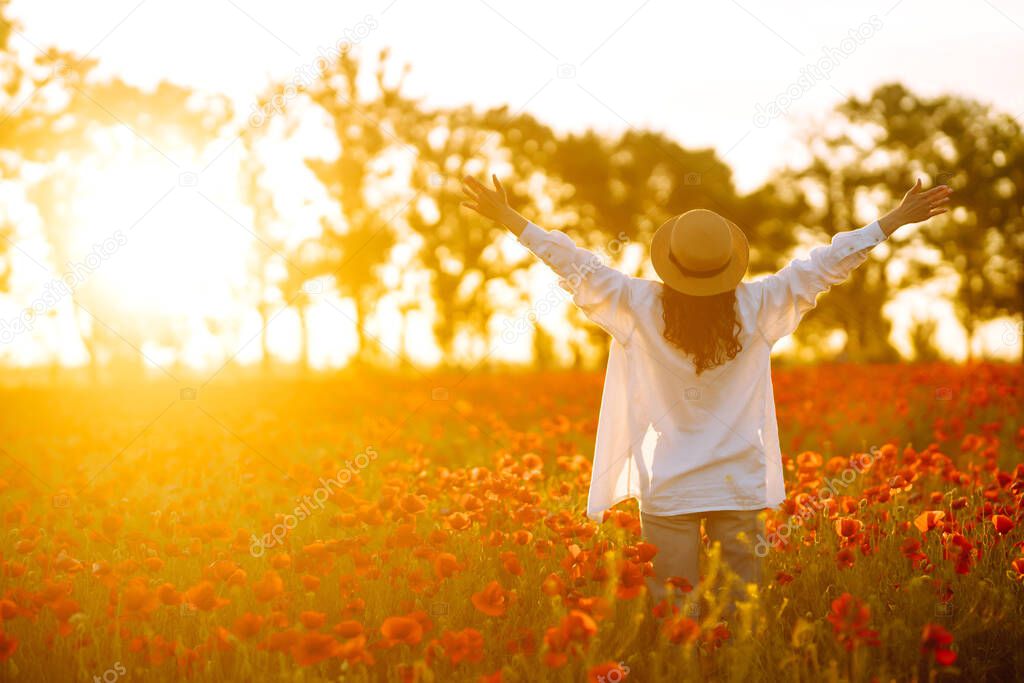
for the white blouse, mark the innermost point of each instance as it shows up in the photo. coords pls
(677, 442)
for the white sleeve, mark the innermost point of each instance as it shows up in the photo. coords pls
(790, 293)
(601, 292)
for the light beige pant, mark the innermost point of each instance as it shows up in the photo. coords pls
(678, 540)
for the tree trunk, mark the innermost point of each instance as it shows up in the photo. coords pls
(264, 344)
(403, 341)
(577, 355)
(303, 341)
(542, 348)
(90, 347)
(969, 326)
(363, 349)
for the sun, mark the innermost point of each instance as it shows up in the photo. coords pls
(155, 240)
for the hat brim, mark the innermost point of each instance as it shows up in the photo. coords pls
(699, 286)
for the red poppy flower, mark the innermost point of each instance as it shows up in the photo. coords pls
(681, 630)
(445, 565)
(459, 521)
(247, 626)
(492, 600)
(137, 600)
(268, 587)
(354, 650)
(849, 618)
(578, 625)
(1002, 523)
(313, 648)
(510, 561)
(313, 620)
(645, 552)
(524, 642)
(680, 583)
(631, 579)
(402, 630)
(1018, 566)
(349, 629)
(782, 578)
(413, 504)
(466, 645)
(927, 520)
(715, 637)
(911, 549)
(64, 609)
(553, 585)
(203, 596)
(848, 527)
(8, 644)
(845, 558)
(935, 641)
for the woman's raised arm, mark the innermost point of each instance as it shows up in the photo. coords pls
(603, 293)
(790, 293)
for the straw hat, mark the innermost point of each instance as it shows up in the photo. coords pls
(700, 253)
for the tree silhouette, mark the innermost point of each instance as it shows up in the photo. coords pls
(460, 252)
(980, 154)
(356, 248)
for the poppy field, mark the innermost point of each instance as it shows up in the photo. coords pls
(385, 528)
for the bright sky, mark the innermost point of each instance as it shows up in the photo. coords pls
(703, 73)
(695, 70)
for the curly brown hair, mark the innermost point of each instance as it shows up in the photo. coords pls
(705, 327)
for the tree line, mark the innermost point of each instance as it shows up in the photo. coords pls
(394, 185)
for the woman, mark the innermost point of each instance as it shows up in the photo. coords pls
(687, 423)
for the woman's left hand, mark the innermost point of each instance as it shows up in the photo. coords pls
(491, 204)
